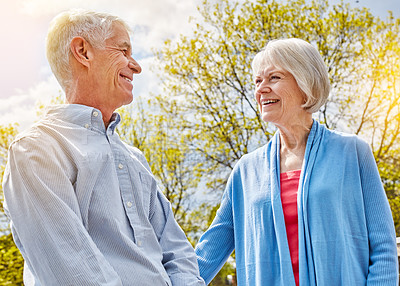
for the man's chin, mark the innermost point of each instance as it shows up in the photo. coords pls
(128, 98)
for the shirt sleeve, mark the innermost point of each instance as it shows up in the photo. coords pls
(217, 243)
(47, 225)
(179, 259)
(383, 268)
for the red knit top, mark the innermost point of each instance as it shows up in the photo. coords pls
(289, 187)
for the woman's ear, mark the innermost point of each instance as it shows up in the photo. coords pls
(81, 50)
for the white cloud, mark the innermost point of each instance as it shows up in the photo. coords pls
(147, 82)
(21, 108)
(152, 23)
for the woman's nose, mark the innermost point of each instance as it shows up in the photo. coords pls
(263, 88)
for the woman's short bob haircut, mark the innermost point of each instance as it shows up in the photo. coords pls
(94, 27)
(304, 62)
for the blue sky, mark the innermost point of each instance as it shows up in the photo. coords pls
(26, 76)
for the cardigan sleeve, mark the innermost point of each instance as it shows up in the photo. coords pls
(383, 268)
(217, 243)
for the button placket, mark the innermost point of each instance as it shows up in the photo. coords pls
(131, 203)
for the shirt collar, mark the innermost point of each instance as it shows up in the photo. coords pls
(82, 115)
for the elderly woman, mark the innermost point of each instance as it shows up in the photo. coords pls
(308, 208)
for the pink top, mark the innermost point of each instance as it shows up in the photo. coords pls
(289, 187)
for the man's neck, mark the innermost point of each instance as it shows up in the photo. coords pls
(106, 113)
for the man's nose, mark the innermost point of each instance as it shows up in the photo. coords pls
(134, 65)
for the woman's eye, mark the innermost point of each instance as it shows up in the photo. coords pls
(257, 81)
(275, 77)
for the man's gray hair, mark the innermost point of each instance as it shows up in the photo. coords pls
(94, 27)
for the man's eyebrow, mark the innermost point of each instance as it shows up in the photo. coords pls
(124, 45)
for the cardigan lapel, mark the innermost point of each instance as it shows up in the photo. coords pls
(286, 271)
(306, 260)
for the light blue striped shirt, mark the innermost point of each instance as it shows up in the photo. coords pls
(85, 208)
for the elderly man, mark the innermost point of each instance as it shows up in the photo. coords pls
(84, 206)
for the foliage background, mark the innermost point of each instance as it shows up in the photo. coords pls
(206, 118)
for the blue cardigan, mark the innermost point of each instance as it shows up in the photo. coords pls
(346, 230)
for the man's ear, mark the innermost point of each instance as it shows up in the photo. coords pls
(81, 50)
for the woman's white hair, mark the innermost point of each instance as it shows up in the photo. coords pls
(94, 27)
(304, 62)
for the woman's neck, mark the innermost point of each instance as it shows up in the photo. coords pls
(293, 145)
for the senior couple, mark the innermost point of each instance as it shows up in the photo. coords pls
(308, 208)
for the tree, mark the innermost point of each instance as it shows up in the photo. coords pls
(164, 149)
(209, 118)
(7, 134)
(377, 116)
(208, 79)
(11, 261)
(208, 76)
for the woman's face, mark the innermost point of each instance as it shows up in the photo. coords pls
(279, 97)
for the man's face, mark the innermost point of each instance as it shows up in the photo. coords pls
(112, 70)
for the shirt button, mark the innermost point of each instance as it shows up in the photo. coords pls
(120, 166)
(129, 204)
(86, 125)
(139, 243)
